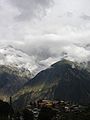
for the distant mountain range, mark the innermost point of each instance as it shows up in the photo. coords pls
(64, 80)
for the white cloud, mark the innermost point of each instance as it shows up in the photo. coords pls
(45, 37)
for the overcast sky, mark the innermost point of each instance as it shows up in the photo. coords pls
(45, 28)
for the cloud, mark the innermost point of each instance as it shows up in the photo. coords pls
(49, 37)
(85, 17)
(31, 8)
(48, 46)
(69, 14)
(78, 54)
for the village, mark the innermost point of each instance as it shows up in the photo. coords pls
(45, 110)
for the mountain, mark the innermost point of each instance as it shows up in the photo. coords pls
(15, 70)
(64, 80)
(17, 67)
(17, 58)
(11, 80)
(11, 56)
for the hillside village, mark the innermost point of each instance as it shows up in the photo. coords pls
(45, 110)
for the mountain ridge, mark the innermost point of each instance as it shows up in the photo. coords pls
(64, 80)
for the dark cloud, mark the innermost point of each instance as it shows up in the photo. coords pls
(31, 8)
(85, 17)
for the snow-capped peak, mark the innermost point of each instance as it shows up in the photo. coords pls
(17, 58)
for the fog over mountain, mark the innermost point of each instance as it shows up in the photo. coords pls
(47, 29)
